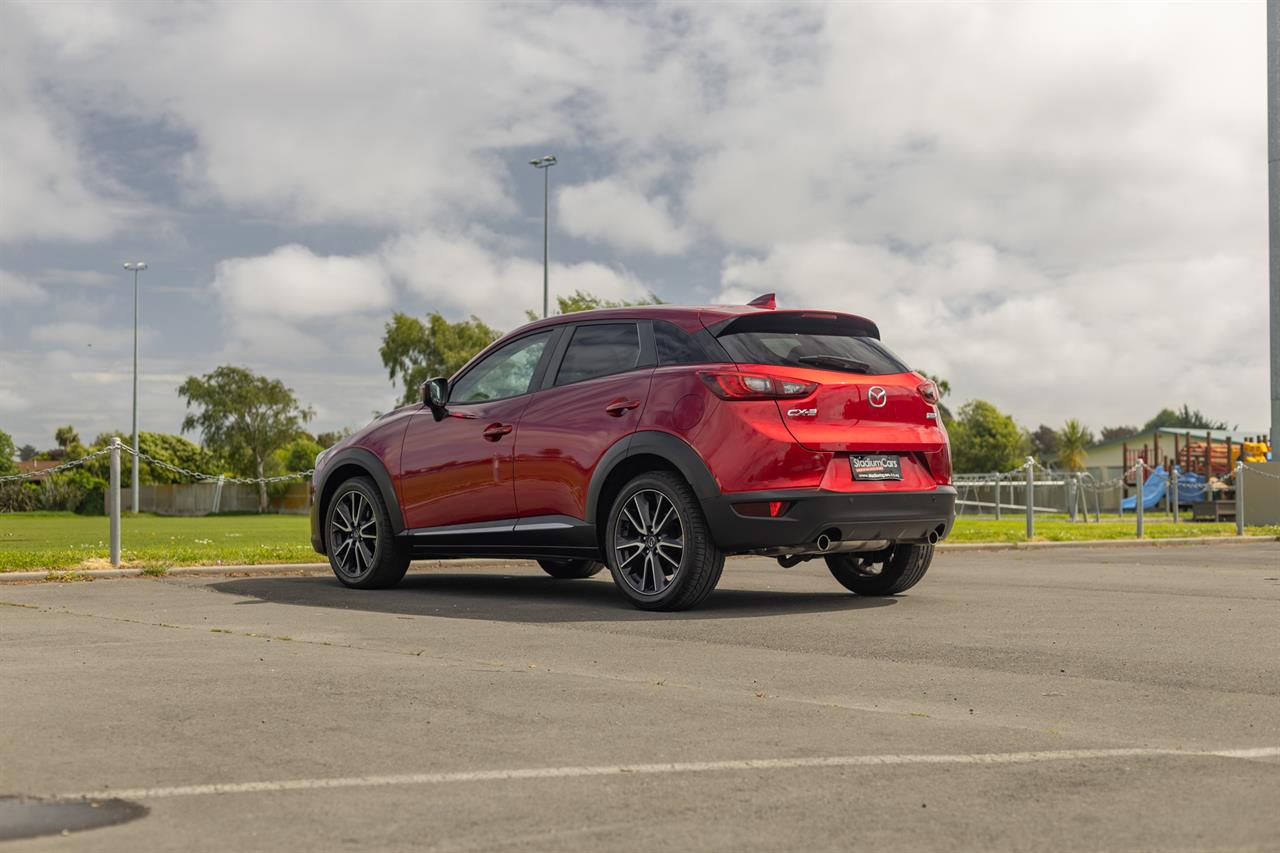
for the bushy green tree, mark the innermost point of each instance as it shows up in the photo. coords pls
(7, 452)
(1186, 417)
(243, 417)
(984, 439)
(1045, 442)
(414, 351)
(1122, 431)
(27, 452)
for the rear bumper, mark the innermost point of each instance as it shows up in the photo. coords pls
(889, 516)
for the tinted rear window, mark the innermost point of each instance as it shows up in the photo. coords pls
(599, 350)
(825, 344)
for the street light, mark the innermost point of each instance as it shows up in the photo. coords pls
(544, 163)
(135, 267)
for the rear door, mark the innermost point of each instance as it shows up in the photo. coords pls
(592, 396)
(866, 399)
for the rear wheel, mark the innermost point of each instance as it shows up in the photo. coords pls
(570, 569)
(658, 544)
(899, 570)
(362, 549)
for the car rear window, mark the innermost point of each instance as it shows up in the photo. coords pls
(826, 342)
(599, 350)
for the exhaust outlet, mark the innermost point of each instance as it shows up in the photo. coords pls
(932, 537)
(824, 542)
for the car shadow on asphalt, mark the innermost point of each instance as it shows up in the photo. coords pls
(529, 599)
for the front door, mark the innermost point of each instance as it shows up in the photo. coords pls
(459, 470)
(594, 400)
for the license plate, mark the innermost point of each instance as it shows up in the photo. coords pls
(879, 467)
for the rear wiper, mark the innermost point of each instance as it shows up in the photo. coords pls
(837, 361)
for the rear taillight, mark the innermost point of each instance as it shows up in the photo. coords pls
(755, 386)
(930, 392)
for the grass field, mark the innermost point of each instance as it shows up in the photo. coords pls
(59, 540)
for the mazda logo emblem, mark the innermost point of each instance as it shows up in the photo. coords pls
(877, 396)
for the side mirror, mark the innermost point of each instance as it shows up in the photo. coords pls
(435, 393)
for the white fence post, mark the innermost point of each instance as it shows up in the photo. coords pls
(1138, 501)
(1173, 492)
(217, 494)
(115, 503)
(999, 477)
(1031, 497)
(1240, 498)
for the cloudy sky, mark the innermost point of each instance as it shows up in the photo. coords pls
(1059, 207)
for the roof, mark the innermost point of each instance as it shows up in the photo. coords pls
(1235, 436)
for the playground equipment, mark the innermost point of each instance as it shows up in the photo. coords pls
(1191, 489)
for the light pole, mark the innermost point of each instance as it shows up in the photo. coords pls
(136, 267)
(545, 164)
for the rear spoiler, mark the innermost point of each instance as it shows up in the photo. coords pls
(813, 322)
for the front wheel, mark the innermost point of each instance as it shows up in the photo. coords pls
(362, 549)
(658, 544)
(901, 569)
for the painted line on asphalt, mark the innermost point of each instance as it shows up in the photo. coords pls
(676, 767)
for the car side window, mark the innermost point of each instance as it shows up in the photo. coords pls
(505, 373)
(598, 350)
(675, 346)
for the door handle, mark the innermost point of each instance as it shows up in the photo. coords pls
(494, 432)
(618, 407)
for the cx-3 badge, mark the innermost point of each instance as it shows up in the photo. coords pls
(877, 396)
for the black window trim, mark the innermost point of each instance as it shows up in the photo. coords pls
(539, 371)
(647, 358)
(712, 351)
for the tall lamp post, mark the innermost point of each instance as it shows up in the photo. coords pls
(135, 267)
(545, 164)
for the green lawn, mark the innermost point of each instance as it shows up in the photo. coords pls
(61, 540)
(58, 540)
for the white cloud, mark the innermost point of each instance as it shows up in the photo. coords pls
(611, 212)
(82, 335)
(293, 283)
(458, 275)
(17, 290)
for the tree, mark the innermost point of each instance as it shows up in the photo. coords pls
(944, 388)
(1044, 443)
(984, 439)
(580, 300)
(1186, 417)
(1073, 441)
(27, 452)
(332, 437)
(1124, 431)
(66, 437)
(244, 417)
(7, 452)
(414, 352)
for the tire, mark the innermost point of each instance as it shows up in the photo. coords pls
(571, 569)
(361, 556)
(655, 519)
(903, 569)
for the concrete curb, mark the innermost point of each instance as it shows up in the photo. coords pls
(54, 575)
(1106, 543)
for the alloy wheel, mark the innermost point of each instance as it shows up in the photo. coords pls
(648, 542)
(353, 534)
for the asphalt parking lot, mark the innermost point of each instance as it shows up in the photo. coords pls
(1101, 698)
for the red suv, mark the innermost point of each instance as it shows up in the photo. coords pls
(654, 440)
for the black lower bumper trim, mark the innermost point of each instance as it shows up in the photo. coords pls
(890, 516)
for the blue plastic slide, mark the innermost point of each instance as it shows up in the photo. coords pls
(1190, 488)
(1152, 491)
